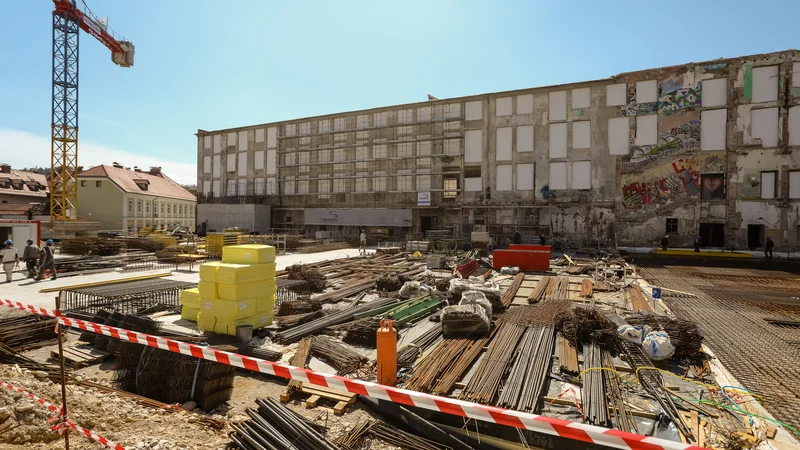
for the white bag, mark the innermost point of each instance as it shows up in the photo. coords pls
(634, 334)
(657, 346)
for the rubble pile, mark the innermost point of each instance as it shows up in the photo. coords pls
(121, 420)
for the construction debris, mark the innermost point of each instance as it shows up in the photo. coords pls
(274, 426)
(310, 275)
(342, 358)
(685, 335)
(299, 306)
(585, 325)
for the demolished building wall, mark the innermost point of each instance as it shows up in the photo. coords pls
(682, 150)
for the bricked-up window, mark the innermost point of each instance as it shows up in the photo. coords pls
(672, 225)
(712, 186)
(794, 183)
(769, 184)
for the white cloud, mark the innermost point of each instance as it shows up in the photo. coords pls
(23, 149)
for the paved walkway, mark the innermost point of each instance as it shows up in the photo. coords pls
(27, 291)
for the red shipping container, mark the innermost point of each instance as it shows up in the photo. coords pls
(529, 247)
(535, 260)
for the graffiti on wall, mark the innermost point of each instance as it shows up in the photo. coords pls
(671, 139)
(678, 179)
(680, 98)
(636, 109)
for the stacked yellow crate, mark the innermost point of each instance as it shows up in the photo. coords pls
(238, 291)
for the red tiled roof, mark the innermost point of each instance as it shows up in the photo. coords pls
(25, 180)
(158, 185)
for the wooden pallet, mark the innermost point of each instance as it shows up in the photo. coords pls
(316, 394)
(81, 356)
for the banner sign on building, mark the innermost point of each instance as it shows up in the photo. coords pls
(359, 217)
(423, 199)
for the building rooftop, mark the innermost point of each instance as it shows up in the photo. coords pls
(152, 182)
(18, 182)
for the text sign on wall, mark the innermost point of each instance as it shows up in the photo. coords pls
(359, 217)
(423, 199)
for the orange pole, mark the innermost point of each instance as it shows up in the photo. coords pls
(387, 353)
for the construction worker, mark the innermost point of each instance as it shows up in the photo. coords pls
(31, 257)
(697, 242)
(47, 257)
(768, 248)
(665, 242)
(542, 239)
(10, 257)
(363, 242)
(517, 238)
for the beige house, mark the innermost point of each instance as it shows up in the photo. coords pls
(130, 199)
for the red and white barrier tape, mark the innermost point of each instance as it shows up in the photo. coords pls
(59, 427)
(540, 424)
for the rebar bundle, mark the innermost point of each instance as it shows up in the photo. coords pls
(363, 332)
(27, 332)
(300, 359)
(129, 297)
(342, 358)
(593, 394)
(544, 313)
(400, 438)
(540, 291)
(410, 352)
(437, 362)
(621, 417)
(175, 378)
(273, 426)
(460, 366)
(567, 356)
(99, 317)
(299, 306)
(652, 381)
(558, 288)
(349, 439)
(315, 279)
(511, 291)
(586, 325)
(485, 383)
(284, 322)
(92, 246)
(113, 320)
(523, 388)
(294, 334)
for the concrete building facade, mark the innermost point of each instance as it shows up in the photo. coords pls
(127, 199)
(710, 148)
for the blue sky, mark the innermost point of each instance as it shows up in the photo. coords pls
(211, 64)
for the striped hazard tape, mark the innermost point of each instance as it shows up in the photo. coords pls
(64, 423)
(540, 424)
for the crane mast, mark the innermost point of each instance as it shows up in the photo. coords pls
(68, 20)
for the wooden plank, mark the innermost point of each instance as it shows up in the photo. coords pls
(346, 397)
(701, 437)
(103, 283)
(694, 425)
(311, 402)
(338, 410)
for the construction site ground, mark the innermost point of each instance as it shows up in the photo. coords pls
(746, 317)
(731, 306)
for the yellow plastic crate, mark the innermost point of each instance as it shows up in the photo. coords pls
(208, 322)
(208, 290)
(248, 254)
(188, 313)
(244, 273)
(227, 309)
(244, 291)
(190, 297)
(208, 271)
